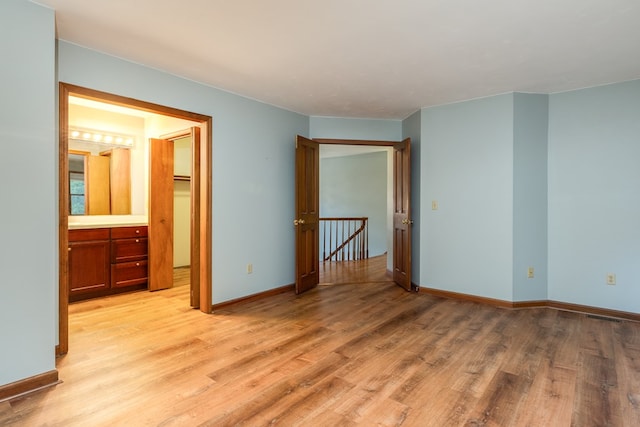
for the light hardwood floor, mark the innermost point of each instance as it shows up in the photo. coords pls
(363, 271)
(338, 355)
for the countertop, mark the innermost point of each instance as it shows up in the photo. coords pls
(106, 221)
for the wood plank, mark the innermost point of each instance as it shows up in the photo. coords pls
(597, 397)
(549, 401)
(627, 357)
(500, 403)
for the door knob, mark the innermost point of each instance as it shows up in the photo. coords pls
(407, 221)
(298, 221)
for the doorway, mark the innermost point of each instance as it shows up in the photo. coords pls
(185, 213)
(307, 205)
(201, 209)
(356, 196)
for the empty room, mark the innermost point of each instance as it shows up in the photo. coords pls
(413, 213)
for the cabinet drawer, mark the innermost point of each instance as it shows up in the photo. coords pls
(124, 250)
(128, 232)
(85, 235)
(128, 273)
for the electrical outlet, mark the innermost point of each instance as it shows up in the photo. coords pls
(249, 268)
(530, 273)
(611, 279)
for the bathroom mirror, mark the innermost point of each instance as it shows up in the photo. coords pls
(99, 182)
(77, 205)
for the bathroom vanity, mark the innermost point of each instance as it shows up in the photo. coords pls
(107, 260)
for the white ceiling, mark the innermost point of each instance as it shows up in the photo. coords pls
(367, 58)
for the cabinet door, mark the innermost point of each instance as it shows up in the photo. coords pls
(88, 266)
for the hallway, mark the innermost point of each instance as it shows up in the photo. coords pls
(368, 270)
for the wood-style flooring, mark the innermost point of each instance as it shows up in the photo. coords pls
(340, 355)
(363, 271)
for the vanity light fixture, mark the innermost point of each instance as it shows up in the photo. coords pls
(101, 137)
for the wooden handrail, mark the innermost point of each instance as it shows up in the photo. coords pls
(354, 243)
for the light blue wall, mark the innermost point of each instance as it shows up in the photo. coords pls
(356, 186)
(594, 196)
(371, 129)
(28, 188)
(556, 175)
(466, 153)
(411, 128)
(530, 119)
(253, 166)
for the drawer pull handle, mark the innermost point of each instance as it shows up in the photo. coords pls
(137, 231)
(137, 240)
(137, 264)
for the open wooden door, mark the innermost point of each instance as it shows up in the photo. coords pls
(160, 214)
(193, 175)
(307, 187)
(402, 214)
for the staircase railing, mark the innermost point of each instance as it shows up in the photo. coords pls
(344, 238)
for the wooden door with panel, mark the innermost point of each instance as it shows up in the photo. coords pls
(307, 201)
(402, 214)
(160, 214)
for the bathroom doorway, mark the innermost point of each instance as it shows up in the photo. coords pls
(200, 193)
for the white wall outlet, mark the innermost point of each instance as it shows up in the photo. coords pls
(611, 279)
(249, 268)
(434, 205)
(530, 273)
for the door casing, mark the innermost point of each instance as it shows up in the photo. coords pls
(201, 205)
(403, 253)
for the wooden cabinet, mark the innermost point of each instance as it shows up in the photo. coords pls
(88, 261)
(129, 249)
(105, 261)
